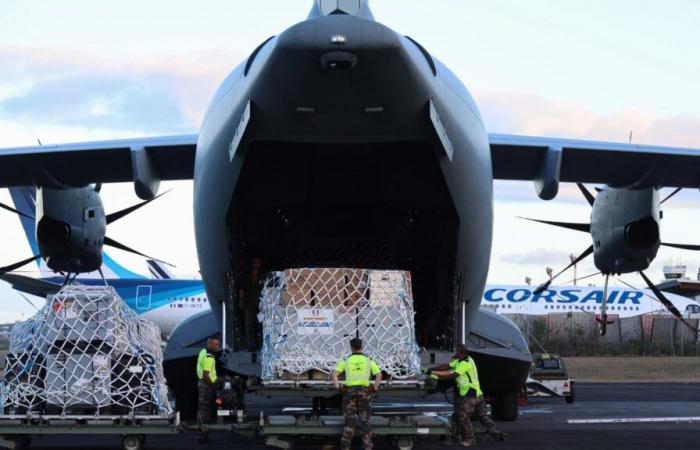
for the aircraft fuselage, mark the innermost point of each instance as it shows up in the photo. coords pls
(342, 143)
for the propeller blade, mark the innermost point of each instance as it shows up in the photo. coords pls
(9, 208)
(681, 246)
(586, 193)
(668, 197)
(27, 300)
(666, 302)
(17, 265)
(111, 218)
(585, 227)
(541, 288)
(112, 243)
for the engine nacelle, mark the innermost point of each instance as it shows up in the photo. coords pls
(625, 229)
(70, 228)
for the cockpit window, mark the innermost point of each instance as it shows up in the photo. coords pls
(350, 7)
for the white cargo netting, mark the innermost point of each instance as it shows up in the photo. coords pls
(85, 351)
(310, 315)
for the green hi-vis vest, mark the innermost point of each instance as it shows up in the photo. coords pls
(206, 363)
(358, 369)
(467, 377)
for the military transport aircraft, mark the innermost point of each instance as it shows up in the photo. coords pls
(340, 142)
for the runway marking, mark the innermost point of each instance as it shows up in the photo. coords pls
(536, 411)
(636, 420)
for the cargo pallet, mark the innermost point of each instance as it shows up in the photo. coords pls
(401, 430)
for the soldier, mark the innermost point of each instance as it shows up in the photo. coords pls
(357, 398)
(468, 398)
(206, 386)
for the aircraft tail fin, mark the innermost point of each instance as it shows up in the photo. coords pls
(159, 271)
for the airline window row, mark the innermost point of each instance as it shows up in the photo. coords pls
(594, 308)
(588, 307)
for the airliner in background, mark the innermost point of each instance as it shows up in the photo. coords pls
(166, 300)
(622, 302)
(162, 299)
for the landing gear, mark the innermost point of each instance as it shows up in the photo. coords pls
(505, 407)
(182, 382)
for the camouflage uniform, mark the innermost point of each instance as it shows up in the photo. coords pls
(357, 402)
(462, 424)
(206, 402)
(468, 399)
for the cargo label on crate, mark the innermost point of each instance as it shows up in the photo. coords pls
(65, 308)
(315, 321)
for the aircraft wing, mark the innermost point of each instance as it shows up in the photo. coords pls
(161, 158)
(532, 158)
(29, 285)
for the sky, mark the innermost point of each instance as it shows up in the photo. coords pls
(76, 70)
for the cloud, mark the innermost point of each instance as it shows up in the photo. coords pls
(537, 257)
(530, 114)
(86, 91)
(524, 191)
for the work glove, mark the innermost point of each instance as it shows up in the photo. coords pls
(341, 389)
(426, 371)
(434, 377)
(371, 390)
(219, 401)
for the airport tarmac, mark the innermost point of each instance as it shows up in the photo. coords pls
(544, 423)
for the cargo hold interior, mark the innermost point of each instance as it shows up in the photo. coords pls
(370, 206)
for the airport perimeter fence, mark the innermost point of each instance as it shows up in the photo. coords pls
(576, 334)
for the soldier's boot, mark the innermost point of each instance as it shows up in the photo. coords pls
(497, 435)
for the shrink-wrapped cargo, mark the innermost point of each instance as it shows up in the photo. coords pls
(85, 351)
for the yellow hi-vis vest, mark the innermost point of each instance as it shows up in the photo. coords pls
(358, 369)
(206, 363)
(467, 377)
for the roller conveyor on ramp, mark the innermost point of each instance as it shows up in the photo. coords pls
(16, 431)
(402, 430)
(278, 431)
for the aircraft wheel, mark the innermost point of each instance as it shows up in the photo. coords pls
(505, 408)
